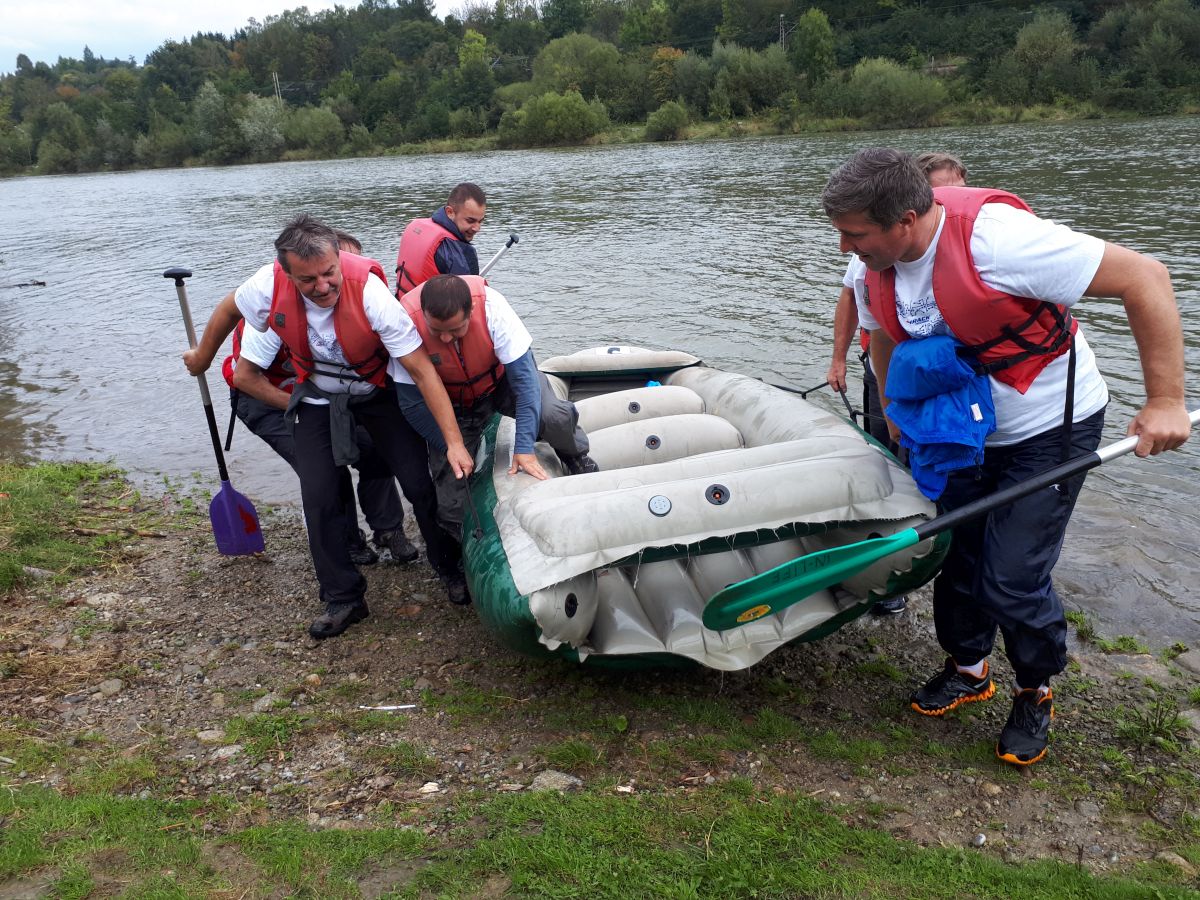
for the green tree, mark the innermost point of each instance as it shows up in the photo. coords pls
(262, 128)
(315, 128)
(886, 94)
(578, 62)
(812, 46)
(473, 48)
(562, 17)
(646, 23)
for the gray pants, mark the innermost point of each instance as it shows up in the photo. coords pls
(558, 426)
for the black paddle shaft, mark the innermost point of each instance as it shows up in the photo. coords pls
(983, 505)
(178, 275)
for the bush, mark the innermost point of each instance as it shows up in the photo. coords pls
(360, 142)
(314, 128)
(553, 119)
(667, 123)
(466, 123)
(54, 159)
(884, 94)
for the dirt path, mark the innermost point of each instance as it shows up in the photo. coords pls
(206, 664)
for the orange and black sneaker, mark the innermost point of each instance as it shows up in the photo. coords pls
(1027, 732)
(950, 688)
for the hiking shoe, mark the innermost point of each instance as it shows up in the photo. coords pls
(579, 465)
(1027, 731)
(890, 607)
(456, 589)
(402, 549)
(337, 618)
(361, 553)
(949, 688)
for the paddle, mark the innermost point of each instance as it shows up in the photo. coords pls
(234, 521)
(777, 589)
(512, 239)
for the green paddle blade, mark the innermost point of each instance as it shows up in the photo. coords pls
(778, 588)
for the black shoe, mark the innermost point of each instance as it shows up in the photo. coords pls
(949, 688)
(456, 589)
(361, 553)
(1026, 733)
(890, 607)
(579, 465)
(402, 549)
(337, 618)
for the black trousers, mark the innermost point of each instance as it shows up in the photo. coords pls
(405, 454)
(997, 573)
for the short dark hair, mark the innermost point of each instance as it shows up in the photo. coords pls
(464, 192)
(880, 182)
(306, 237)
(445, 296)
(933, 161)
(348, 242)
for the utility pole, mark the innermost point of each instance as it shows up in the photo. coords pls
(278, 95)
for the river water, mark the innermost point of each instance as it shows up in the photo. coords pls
(718, 248)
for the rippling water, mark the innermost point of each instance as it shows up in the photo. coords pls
(718, 248)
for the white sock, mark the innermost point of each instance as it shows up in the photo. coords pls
(1043, 689)
(975, 671)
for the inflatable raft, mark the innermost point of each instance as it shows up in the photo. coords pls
(707, 478)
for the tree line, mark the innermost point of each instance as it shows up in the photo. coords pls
(383, 75)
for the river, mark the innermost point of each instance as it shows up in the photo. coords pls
(719, 248)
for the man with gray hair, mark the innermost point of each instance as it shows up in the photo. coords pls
(942, 169)
(975, 264)
(346, 335)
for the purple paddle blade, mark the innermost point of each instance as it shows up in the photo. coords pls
(235, 523)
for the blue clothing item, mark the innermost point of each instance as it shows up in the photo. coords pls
(520, 378)
(943, 408)
(456, 257)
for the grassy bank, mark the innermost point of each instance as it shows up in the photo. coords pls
(165, 733)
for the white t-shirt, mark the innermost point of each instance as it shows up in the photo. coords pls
(509, 336)
(385, 313)
(1018, 253)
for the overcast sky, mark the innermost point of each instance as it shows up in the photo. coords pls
(44, 30)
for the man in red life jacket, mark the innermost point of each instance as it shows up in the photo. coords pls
(941, 170)
(347, 337)
(376, 485)
(441, 244)
(965, 262)
(484, 356)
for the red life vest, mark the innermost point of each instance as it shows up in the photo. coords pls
(280, 373)
(418, 244)
(1013, 338)
(361, 347)
(468, 368)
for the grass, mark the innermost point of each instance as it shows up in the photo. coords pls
(60, 518)
(266, 733)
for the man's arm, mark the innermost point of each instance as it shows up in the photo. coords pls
(250, 379)
(845, 323)
(881, 349)
(412, 404)
(1144, 287)
(222, 321)
(527, 392)
(418, 366)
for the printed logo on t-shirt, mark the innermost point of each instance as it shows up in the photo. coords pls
(325, 347)
(919, 317)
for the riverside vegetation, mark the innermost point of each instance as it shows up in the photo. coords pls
(384, 78)
(168, 730)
